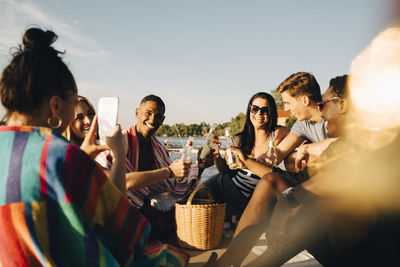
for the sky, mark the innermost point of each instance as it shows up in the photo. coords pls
(205, 58)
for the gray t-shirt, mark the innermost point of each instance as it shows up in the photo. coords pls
(312, 131)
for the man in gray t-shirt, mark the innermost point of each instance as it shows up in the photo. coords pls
(310, 130)
(301, 94)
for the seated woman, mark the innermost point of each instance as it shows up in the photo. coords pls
(56, 205)
(236, 186)
(82, 132)
(78, 132)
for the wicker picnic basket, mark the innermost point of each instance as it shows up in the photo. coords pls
(199, 222)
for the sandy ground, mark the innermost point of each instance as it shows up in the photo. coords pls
(199, 257)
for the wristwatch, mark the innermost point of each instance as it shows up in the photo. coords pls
(289, 195)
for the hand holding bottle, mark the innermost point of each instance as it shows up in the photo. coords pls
(232, 157)
(180, 168)
(205, 157)
(206, 151)
(240, 157)
(263, 158)
(212, 141)
(271, 153)
(187, 150)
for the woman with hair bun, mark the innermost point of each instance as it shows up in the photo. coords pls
(57, 207)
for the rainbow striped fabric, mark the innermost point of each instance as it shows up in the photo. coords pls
(57, 208)
(165, 193)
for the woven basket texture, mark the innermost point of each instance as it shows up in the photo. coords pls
(199, 222)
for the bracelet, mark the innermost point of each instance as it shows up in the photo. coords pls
(170, 172)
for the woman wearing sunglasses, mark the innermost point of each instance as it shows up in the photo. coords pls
(235, 187)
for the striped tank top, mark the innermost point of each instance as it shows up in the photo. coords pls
(246, 180)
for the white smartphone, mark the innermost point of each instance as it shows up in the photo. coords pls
(107, 115)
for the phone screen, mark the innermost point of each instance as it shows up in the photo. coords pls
(107, 115)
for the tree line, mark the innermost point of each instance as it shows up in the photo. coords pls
(179, 129)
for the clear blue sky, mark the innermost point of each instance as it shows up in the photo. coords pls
(204, 58)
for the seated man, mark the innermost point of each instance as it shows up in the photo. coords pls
(153, 183)
(257, 213)
(301, 95)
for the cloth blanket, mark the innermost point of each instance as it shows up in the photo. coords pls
(164, 194)
(57, 208)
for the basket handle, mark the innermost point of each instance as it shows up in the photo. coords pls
(197, 189)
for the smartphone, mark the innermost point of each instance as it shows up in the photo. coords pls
(107, 115)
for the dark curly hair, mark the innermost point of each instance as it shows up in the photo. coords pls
(155, 99)
(339, 85)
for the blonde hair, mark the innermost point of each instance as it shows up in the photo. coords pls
(68, 133)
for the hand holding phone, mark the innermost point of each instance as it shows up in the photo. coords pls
(107, 115)
(89, 143)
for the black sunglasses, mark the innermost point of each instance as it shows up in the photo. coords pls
(254, 109)
(322, 104)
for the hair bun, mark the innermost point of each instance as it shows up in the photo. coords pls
(37, 39)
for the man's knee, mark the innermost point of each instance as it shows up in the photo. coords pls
(269, 179)
(274, 181)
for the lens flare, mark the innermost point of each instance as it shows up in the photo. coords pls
(374, 86)
(367, 170)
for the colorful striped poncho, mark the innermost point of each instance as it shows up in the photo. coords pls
(164, 194)
(57, 208)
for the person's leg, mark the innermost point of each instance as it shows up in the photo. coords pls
(162, 223)
(254, 219)
(305, 228)
(214, 185)
(236, 202)
(224, 190)
(258, 210)
(316, 226)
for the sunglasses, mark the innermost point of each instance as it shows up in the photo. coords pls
(322, 104)
(254, 109)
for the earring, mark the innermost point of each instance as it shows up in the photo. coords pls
(54, 125)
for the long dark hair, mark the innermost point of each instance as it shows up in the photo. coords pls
(247, 136)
